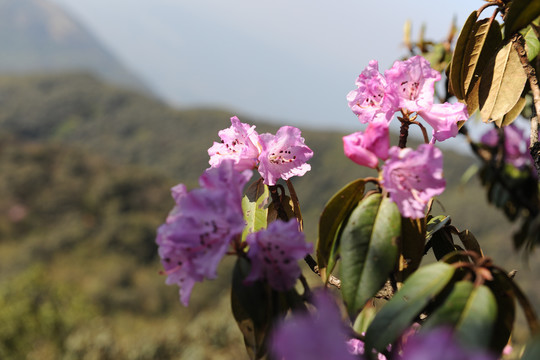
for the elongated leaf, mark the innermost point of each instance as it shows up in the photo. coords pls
(255, 207)
(412, 244)
(512, 115)
(470, 242)
(251, 308)
(453, 308)
(532, 44)
(419, 289)
(501, 84)
(457, 63)
(506, 314)
(336, 211)
(485, 39)
(528, 310)
(435, 224)
(520, 14)
(477, 319)
(368, 250)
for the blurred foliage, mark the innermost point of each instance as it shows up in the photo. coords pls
(85, 172)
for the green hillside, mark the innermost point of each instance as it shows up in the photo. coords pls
(85, 172)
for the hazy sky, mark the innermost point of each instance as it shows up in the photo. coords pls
(291, 61)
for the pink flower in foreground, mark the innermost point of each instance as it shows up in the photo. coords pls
(371, 99)
(274, 253)
(516, 145)
(283, 155)
(306, 336)
(412, 178)
(439, 344)
(239, 143)
(197, 232)
(368, 147)
(413, 82)
(444, 119)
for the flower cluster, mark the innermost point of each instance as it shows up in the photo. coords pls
(318, 335)
(407, 87)
(205, 221)
(321, 335)
(274, 253)
(516, 144)
(283, 155)
(411, 177)
(198, 230)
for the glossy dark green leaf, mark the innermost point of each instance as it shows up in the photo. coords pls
(255, 207)
(366, 316)
(435, 224)
(250, 308)
(416, 293)
(457, 63)
(412, 245)
(471, 310)
(501, 84)
(506, 313)
(470, 242)
(442, 244)
(528, 310)
(336, 211)
(368, 249)
(520, 14)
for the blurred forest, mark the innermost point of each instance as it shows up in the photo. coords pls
(85, 172)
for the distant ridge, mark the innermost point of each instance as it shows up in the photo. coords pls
(37, 36)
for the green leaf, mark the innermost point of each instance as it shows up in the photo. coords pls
(435, 224)
(470, 242)
(471, 310)
(528, 310)
(366, 316)
(336, 211)
(416, 293)
(532, 44)
(476, 324)
(255, 207)
(368, 250)
(251, 308)
(520, 14)
(457, 63)
(412, 245)
(501, 84)
(506, 314)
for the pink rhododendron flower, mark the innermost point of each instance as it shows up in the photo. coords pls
(371, 99)
(368, 147)
(516, 145)
(239, 143)
(413, 82)
(307, 336)
(444, 118)
(412, 178)
(274, 253)
(283, 155)
(197, 232)
(440, 344)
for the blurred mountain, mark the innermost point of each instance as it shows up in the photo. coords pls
(37, 36)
